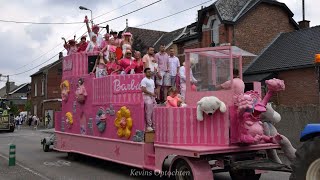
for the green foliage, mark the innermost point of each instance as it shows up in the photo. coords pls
(28, 106)
(14, 109)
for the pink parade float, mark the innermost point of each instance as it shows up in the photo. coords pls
(222, 128)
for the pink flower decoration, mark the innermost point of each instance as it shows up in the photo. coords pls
(275, 85)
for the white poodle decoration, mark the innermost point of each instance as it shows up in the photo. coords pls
(209, 105)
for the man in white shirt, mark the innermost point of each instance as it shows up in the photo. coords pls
(174, 65)
(147, 87)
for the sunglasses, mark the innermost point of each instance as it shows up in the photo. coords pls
(128, 53)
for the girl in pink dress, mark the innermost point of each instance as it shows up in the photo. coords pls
(93, 44)
(100, 66)
(112, 67)
(81, 92)
(173, 99)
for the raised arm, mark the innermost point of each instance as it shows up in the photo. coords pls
(86, 20)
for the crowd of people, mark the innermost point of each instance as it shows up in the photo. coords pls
(165, 81)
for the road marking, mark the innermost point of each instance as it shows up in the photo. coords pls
(58, 163)
(28, 169)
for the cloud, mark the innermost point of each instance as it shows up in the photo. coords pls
(39, 33)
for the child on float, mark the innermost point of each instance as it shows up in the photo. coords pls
(100, 66)
(112, 66)
(173, 99)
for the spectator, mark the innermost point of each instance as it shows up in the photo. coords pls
(182, 73)
(35, 122)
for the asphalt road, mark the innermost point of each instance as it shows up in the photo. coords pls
(34, 164)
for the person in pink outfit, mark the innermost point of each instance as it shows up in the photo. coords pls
(93, 45)
(138, 61)
(173, 99)
(126, 42)
(147, 88)
(109, 48)
(100, 66)
(82, 46)
(127, 63)
(71, 46)
(105, 43)
(112, 67)
(237, 85)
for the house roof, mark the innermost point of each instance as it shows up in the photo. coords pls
(148, 37)
(41, 70)
(18, 88)
(187, 35)
(290, 50)
(167, 38)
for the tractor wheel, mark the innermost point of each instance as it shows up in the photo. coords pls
(182, 171)
(244, 174)
(307, 162)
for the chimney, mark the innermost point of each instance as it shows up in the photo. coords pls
(126, 23)
(304, 23)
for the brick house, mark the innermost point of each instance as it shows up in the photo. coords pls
(248, 24)
(290, 57)
(45, 90)
(18, 96)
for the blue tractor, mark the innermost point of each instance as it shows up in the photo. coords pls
(306, 166)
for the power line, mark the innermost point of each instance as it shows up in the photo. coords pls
(31, 22)
(76, 32)
(173, 14)
(114, 9)
(130, 12)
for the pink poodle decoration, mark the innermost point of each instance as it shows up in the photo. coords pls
(209, 105)
(81, 92)
(250, 106)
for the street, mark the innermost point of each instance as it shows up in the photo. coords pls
(34, 164)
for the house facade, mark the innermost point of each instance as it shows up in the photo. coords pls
(45, 91)
(248, 24)
(290, 57)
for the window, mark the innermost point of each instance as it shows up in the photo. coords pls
(215, 31)
(42, 87)
(35, 110)
(35, 89)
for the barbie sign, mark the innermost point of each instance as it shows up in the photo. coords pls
(126, 85)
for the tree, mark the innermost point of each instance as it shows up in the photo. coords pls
(28, 106)
(14, 109)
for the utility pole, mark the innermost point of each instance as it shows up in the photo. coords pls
(303, 11)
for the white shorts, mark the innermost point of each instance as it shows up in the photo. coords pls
(165, 79)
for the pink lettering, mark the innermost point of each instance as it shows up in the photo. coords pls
(123, 87)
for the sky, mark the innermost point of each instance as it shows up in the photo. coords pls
(23, 44)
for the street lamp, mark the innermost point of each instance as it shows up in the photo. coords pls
(87, 9)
